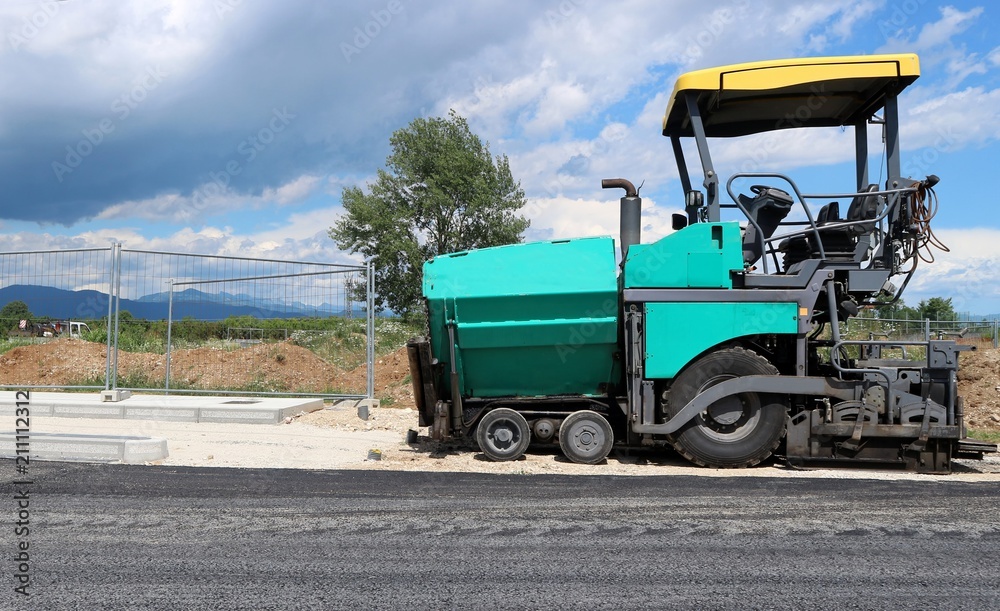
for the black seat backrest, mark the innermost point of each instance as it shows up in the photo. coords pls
(863, 208)
(828, 213)
(838, 242)
(768, 209)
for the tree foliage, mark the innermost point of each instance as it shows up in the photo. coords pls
(936, 308)
(441, 191)
(12, 313)
(898, 310)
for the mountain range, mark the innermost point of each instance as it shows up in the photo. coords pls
(88, 304)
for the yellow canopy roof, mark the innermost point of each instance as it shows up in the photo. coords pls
(764, 96)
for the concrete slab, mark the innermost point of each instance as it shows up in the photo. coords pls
(87, 427)
(173, 408)
(87, 448)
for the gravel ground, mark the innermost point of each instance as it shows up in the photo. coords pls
(338, 439)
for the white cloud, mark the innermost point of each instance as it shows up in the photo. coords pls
(844, 26)
(292, 192)
(563, 217)
(210, 199)
(118, 40)
(784, 150)
(994, 56)
(302, 238)
(940, 47)
(952, 23)
(561, 102)
(952, 121)
(799, 20)
(578, 64)
(968, 273)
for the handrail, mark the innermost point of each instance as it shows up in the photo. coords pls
(893, 196)
(760, 233)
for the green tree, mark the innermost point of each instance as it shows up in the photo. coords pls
(898, 310)
(936, 308)
(442, 191)
(12, 313)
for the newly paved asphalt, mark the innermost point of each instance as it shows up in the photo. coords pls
(131, 537)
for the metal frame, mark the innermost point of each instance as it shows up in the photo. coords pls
(114, 275)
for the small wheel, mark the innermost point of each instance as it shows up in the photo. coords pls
(586, 437)
(736, 431)
(503, 434)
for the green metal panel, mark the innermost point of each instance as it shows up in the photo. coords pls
(702, 255)
(529, 319)
(676, 333)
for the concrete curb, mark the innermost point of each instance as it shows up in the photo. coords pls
(362, 405)
(170, 408)
(87, 448)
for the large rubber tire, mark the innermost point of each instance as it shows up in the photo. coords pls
(737, 431)
(586, 437)
(503, 434)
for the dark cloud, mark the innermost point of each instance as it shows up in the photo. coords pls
(279, 91)
(577, 165)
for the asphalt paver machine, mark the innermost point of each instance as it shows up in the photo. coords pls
(723, 339)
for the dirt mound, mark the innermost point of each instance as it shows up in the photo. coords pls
(392, 379)
(979, 383)
(263, 367)
(63, 361)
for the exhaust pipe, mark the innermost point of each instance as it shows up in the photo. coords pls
(631, 212)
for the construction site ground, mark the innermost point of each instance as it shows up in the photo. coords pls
(336, 438)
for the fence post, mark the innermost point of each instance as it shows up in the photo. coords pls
(996, 327)
(927, 329)
(170, 325)
(371, 332)
(111, 301)
(118, 305)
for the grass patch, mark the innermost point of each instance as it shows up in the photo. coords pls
(134, 379)
(8, 344)
(343, 342)
(984, 435)
(262, 384)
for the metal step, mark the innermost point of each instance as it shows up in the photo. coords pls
(974, 447)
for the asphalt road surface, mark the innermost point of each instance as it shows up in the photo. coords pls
(124, 537)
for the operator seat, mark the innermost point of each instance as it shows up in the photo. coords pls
(840, 242)
(768, 208)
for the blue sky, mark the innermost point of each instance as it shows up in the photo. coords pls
(231, 127)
